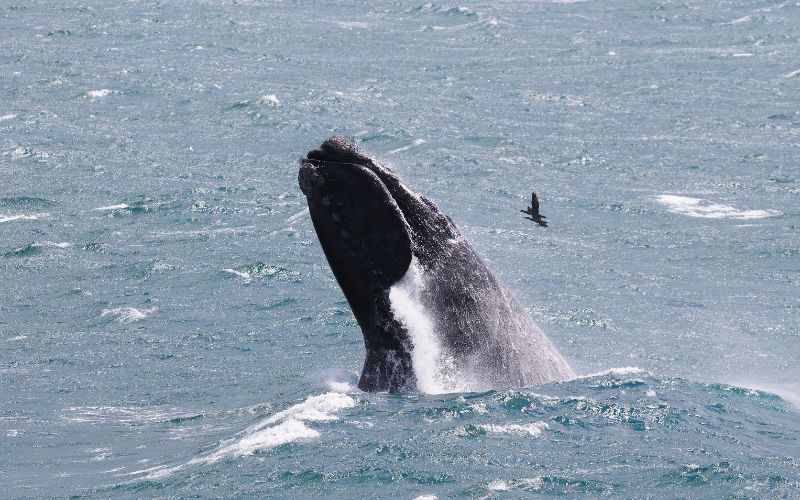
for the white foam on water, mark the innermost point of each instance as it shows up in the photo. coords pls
(112, 207)
(10, 218)
(625, 370)
(270, 99)
(296, 217)
(118, 414)
(498, 485)
(244, 275)
(205, 232)
(7, 117)
(435, 371)
(427, 497)
(98, 94)
(787, 392)
(415, 142)
(533, 429)
(791, 74)
(128, 314)
(697, 207)
(284, 427)
(349, 25)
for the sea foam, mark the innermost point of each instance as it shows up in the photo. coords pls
(697, 207)
(284, 427)
(533, 429)
(127, 314)
(10, 218)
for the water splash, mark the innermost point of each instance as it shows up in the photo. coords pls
(284, 427)
(435, 371)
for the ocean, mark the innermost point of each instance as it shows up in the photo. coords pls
(169, 326)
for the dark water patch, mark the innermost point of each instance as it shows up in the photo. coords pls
(28, 250)
(564, 485)
(279, 304)
(698, 475)
(783, 116)
(183, 419)
(25, 202)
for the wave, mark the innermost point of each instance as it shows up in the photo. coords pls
(10, 218)
(284, 427)
(128, 314)
(119, 206)
(533, 429)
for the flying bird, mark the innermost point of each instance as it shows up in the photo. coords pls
(533, 211)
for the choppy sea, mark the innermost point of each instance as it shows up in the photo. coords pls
(169, 326)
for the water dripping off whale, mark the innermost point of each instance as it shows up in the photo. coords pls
(433, 316)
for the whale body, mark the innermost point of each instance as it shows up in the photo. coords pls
(433, 316)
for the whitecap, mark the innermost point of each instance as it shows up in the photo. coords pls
(791, 74)
(697, 207)
(622, 371)
(498, 485)
(127, 314)
(7, 117)
(351, 24)
(244, 275)
(118, 414)
(415, 142)
(98, 94)
(119, 206)
(10, 218)
(296, 217)
(284, 427)
(533, 429)
(270, 99)
(205, 232)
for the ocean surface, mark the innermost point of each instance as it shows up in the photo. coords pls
(169, 326)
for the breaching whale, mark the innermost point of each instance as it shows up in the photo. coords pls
(391, 249)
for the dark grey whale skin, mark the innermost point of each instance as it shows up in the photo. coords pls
(370, 225)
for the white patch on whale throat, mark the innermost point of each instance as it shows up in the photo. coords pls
(435, 369)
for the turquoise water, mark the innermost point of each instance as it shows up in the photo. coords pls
(169, 326)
